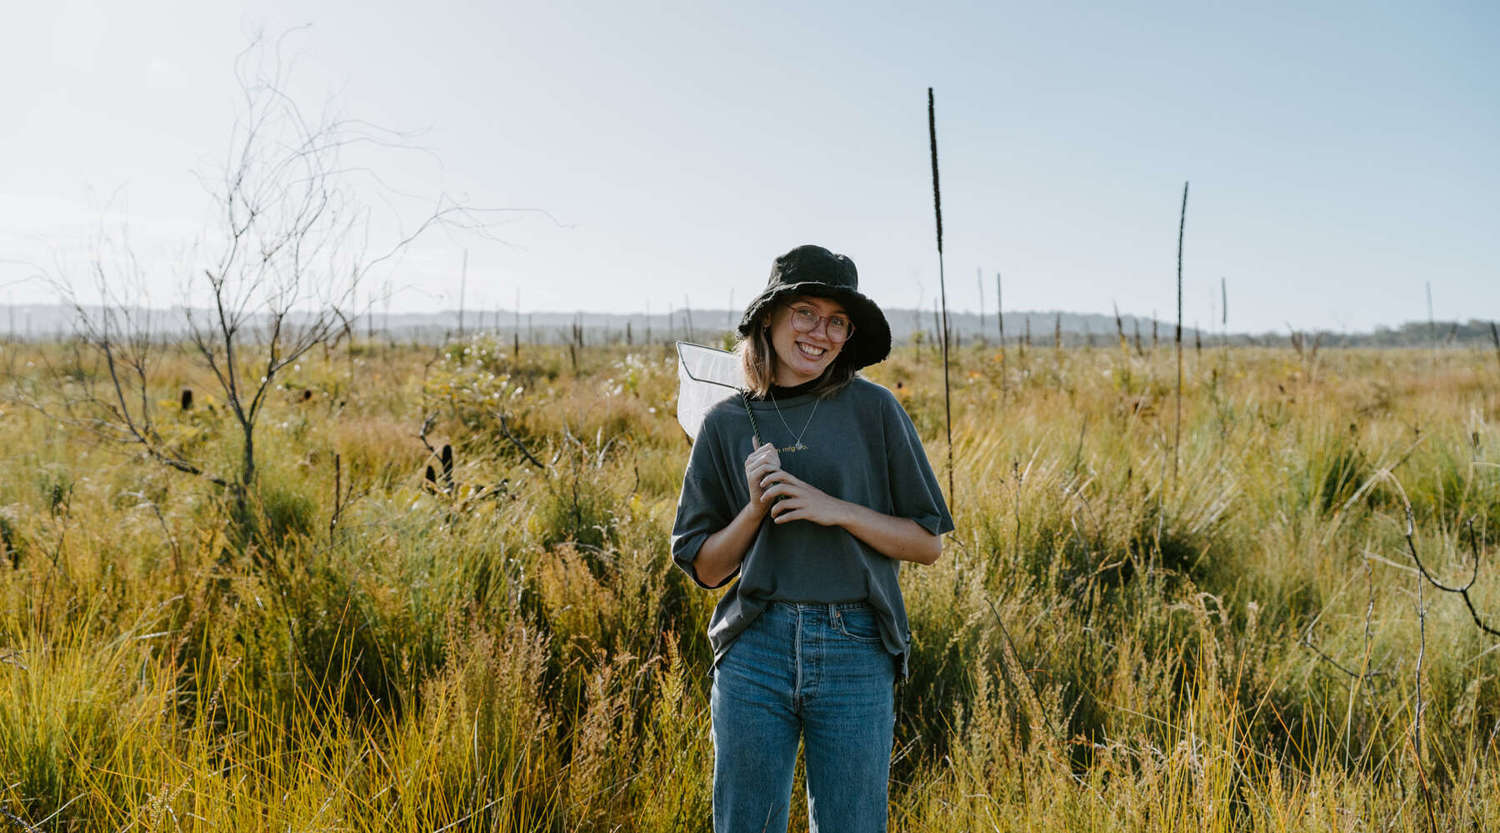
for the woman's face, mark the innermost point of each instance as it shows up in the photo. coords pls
(802, 357)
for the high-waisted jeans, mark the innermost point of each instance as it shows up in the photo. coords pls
(818, 672)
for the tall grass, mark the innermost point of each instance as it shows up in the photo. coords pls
(1101, 647)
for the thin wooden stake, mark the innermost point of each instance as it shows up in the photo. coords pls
(1224, 306)
(338, 489)
(1000, 324)
(1431, 324)
(979, 279)
(463, 285)
(937, 325)
(1495, 337)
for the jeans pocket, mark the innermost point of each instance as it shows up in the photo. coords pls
(860, 625)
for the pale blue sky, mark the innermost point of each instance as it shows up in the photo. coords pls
(1341, 154)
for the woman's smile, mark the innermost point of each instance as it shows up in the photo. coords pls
(802, 357)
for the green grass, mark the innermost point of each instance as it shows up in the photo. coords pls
(1101, 647)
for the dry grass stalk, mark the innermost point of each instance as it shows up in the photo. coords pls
(1177, 424)
(937, 207)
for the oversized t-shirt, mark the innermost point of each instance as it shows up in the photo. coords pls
(858, 445)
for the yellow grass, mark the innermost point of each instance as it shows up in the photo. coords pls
(1101, 647)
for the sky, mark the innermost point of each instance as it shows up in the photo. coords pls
(1342, 156)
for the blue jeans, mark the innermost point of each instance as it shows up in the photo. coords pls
(817, 672)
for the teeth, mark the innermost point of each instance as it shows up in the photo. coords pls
(811, 351)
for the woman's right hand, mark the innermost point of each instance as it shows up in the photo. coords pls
(761, 462)
(722, 552)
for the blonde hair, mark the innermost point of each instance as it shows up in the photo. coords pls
(758, 358)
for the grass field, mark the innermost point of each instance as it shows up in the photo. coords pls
(1104, 645)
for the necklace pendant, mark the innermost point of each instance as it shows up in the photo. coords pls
(797, 444)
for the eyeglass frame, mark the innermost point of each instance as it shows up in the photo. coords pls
(825, 320)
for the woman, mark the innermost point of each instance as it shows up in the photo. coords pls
(814, 516)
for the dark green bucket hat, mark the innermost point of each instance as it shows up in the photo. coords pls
(813, 270)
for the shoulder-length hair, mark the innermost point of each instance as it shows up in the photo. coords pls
(758, 358)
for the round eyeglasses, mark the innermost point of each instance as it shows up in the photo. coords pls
(839, 327)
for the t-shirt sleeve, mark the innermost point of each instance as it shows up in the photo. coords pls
(703, 508)
(915, 491)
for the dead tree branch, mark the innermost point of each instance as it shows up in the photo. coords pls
(290, 239)
(515, 441)
(1460, 590)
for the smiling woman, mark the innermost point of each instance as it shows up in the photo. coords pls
(802, 327)
(807, 335)
(810, 640)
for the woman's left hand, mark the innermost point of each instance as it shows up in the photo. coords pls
(795, 500)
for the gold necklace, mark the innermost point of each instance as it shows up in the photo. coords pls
(797, 443)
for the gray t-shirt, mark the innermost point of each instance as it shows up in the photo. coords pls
(858, 445)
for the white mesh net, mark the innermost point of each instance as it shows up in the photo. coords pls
(705, 376)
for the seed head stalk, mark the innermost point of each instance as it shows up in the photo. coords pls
(1177, 431)
(937, 207)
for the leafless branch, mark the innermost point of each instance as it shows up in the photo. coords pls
(520, 446)
(1416, 721)
(1359, 676)
(1364, 674)
(427, 423)
(290, 241)
(112, 398)
(1463, 590)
